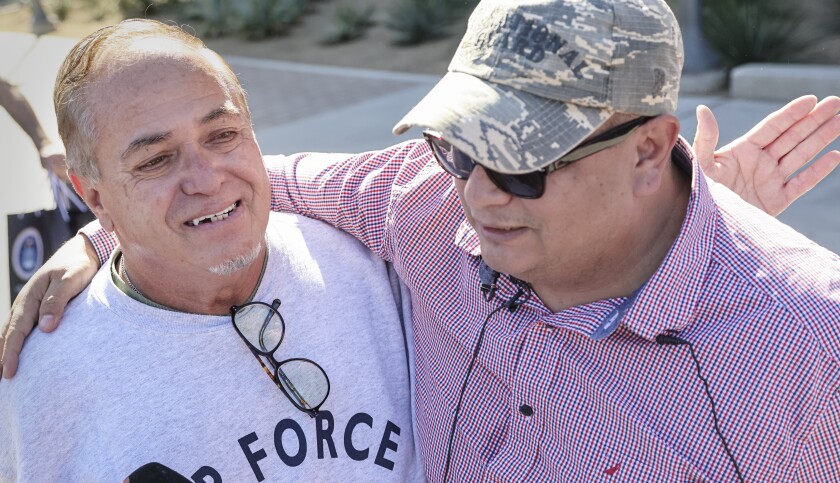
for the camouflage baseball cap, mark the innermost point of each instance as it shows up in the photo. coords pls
(531, 79)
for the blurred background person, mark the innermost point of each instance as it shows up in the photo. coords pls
(41, 24)
(50, 151)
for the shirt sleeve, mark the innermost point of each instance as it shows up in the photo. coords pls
(104, 242)
(821, 455)
(355, 193)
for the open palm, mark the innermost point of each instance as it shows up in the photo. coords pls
(760, 165)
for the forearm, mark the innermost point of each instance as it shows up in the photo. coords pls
(21, 111)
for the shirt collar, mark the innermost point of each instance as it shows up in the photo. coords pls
(670, 296)
(666, 301)
(116, 278)
(114, 262)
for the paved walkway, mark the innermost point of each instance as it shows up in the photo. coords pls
(299, 107)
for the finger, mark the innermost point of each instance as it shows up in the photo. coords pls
(2, 343)
(778, 122)
(56, 297)
(810, 147)
(55, 292)
(811, 128)
(811, 176)
(20, 323)
(11, 350)
(3, 331)
(13, 343)
(61, 172)
(706, 138)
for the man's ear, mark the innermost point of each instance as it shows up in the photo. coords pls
(656, 139)
(90, 194)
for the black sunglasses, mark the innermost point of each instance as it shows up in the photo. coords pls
(527, 185)
(262, 328)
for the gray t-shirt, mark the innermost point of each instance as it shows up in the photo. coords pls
(121, 383)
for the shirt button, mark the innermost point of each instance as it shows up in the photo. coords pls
(526, 410)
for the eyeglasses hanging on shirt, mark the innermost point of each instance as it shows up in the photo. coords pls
(301, 380)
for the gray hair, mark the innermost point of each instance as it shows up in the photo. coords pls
(91, 56)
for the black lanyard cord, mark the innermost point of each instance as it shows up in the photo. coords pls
(511, 305)
(670, 339)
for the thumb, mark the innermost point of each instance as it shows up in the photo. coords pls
(706, 138)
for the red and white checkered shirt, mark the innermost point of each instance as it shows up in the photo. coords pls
(759, 303)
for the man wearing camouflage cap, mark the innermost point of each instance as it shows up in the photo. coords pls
(585, 304)
(647, 327)
(634, 322)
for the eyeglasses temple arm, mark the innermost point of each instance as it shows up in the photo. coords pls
(294, 390)
(265, 368)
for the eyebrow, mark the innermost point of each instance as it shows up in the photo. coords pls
(228, 109)
(141, 143)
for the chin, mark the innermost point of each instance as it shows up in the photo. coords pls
(506, 263)
(237, 264)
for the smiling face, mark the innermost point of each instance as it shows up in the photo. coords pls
(182, 180)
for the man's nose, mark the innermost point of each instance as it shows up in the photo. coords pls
(203, 171)
(481, 191)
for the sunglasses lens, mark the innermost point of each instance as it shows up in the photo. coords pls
(305, 383)
(528, 185)
(450, 158)
(460, 165)
(260, 325)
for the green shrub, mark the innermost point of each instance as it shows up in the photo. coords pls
(98, 9)
(418, 21)
(268, 18)
(217, 17)
(755, 30)
(351, 24)
(831, 21)
(61, 9)
(147, 8)
(676, 6)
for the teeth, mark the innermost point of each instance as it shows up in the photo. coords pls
(215, 217)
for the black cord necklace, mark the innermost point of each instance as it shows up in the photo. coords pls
(511, 305)
(670, 339)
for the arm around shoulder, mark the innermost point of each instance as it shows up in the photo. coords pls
(353, 193)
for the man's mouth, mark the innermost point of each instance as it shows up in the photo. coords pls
(502, 228)
(214, 217)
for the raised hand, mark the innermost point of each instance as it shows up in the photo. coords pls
(759, 165)
(53, 160)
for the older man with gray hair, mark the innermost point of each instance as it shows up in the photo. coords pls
(156, 362)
